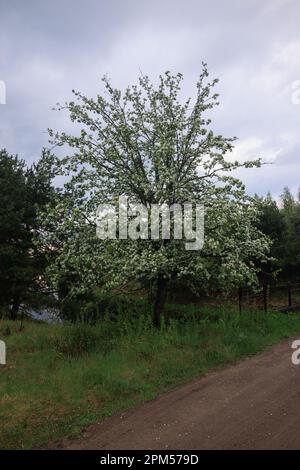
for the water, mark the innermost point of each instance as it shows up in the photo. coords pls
(45, 315)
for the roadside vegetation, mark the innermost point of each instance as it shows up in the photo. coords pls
(61, 378)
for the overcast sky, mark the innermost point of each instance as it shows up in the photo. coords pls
(49, 47)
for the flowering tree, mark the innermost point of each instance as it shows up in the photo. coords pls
(146, 145)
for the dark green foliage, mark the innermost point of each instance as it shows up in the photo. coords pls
(291, 237)
(23, 191)
(94, 305)
(281, 222)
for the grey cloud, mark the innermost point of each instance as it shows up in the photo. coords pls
(47, 48)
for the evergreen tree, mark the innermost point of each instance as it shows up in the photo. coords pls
(22, 192)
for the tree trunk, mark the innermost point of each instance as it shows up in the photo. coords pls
(15, 308)
(160, 298)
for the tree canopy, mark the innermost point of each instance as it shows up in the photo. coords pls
(280, 220)
(147, 145)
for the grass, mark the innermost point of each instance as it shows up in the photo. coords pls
(59, 379)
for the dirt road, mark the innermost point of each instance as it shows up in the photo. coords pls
(254, 404)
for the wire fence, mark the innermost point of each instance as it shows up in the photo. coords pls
(271, 297)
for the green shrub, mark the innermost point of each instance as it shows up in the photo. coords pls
(6, 331)
(75, 339)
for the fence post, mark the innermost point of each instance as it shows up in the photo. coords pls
(289, 294)
(240, 296)
(265, 296)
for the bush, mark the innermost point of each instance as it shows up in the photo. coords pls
(75, 339)
(6, 331)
